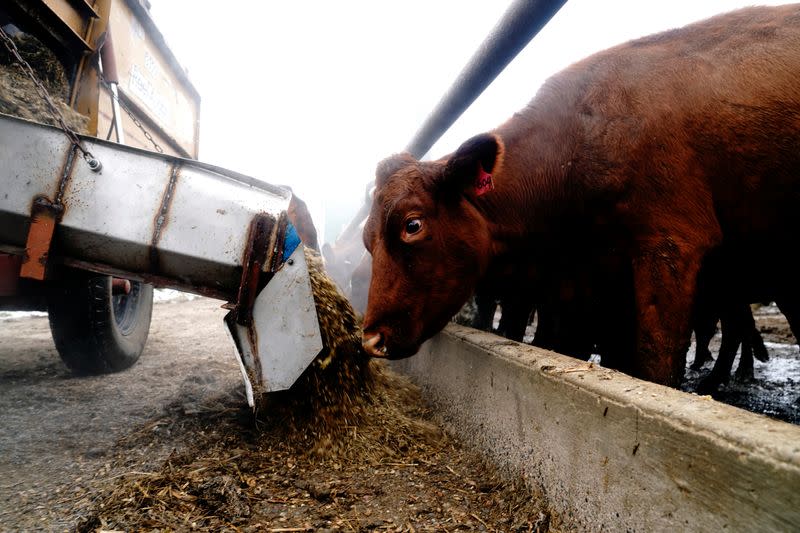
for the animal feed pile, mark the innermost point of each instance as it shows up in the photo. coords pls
(18, 95)
(351, 447)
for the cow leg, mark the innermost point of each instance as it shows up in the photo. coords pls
(665, 285)
(545, 326)
(760, 351)
(707, 308)
(702, 354)
(752, 345)
(731, 340)
(573, 334)
(789, 304)
(514, 319)
(705, 326)
(617, 346)
(744, 372)
(486, 305)
(613, 317)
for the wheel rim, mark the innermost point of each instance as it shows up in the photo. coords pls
(125, 308)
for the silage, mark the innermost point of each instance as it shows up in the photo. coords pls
(18, 94)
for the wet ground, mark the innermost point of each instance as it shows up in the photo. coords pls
(775, 388)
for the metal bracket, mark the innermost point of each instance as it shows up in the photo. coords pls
(44, 217)
(284, 336)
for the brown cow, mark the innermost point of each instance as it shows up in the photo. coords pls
(645, 156)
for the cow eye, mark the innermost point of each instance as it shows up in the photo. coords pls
(413, 226)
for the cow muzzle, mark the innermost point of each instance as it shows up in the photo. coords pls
(374, 344)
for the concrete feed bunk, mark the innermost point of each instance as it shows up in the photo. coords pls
(612, 452)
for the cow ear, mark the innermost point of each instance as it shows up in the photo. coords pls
(470, 169)
(390, 166)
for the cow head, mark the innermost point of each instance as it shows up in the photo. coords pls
(429, 243)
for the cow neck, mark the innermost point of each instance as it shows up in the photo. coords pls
(530, 195)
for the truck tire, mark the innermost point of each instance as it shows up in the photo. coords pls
(96, 332)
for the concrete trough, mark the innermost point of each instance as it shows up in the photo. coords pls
(611, 452)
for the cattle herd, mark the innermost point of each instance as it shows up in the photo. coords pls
(648, 191)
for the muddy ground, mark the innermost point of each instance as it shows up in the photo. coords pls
(775, 388)
(170, 444)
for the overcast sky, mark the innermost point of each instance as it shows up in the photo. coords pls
(313, 94)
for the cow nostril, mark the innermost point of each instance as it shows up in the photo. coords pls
(374, 344)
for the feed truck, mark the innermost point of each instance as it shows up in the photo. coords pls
(109, 200)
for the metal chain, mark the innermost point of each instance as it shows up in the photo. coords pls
(130, 114)
(51, 107)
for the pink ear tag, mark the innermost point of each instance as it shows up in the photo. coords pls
(483, 182)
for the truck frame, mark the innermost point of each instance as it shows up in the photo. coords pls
(87, 238)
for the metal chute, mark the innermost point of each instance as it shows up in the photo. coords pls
(171, 222)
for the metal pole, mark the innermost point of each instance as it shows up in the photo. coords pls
(520, 23)
(117, 114)
(108, 66)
